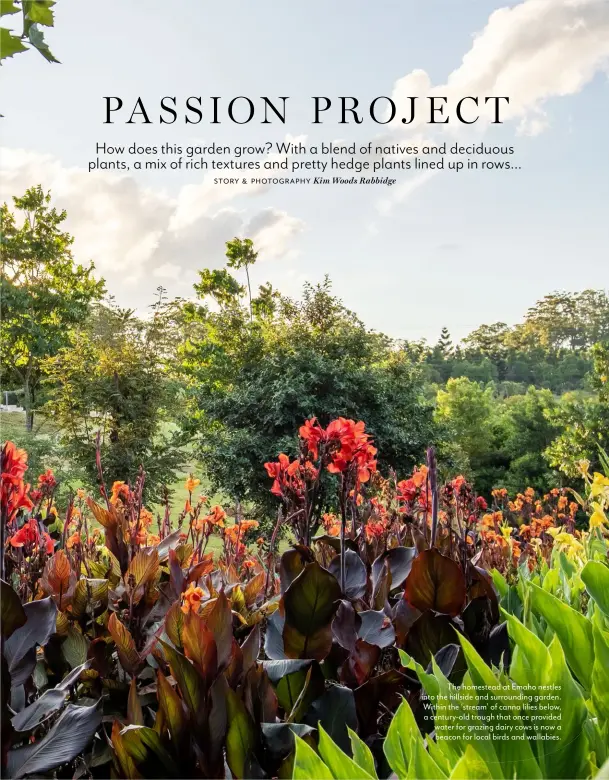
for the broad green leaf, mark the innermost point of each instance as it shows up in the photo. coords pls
(8, 7)
(200, 646)
(422, 766)
(145, 748)
(600, 675)
(397, 742)
(135, 716)
(596, 579)
(450, 710)
(339, 763)
(573, 630)
(471, 766)
(125, 645)
(175, 717)
(36, 37)
(567, 757)
(190, 682)
(240, 737)
(10, 44)
(307, 764)
(40, 11)
(362, 755)
(516, 756)
(174, 624)
(500, 583)
(74, 647)
(90, 597)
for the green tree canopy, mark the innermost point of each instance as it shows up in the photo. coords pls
(44, 293)
(111, 379)
(251, 384)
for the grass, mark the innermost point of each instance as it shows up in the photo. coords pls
(40, 444)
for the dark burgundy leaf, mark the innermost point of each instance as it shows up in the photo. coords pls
(429, 633)
(399, 559)
(346, 625)
(356, 576)
(435, 582)
(376, 628)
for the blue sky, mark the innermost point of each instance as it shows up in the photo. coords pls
(450, 249)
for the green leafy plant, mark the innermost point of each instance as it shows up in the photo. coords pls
(35, 15)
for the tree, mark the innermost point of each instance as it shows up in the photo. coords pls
(44, 294)
(467, 410)
(111, 380)
(445, 345)
(252, 383)
(240, 254)
(35, 14)
(583, 419)
(528, 431)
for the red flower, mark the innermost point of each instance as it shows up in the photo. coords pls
(313, 434)
(14, 491)
(407, 490)
(481, 503)
(47, 481)
(49, 544)
(288, 477)
(27, 534)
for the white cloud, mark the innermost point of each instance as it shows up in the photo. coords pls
(135, 235)
(531, 52)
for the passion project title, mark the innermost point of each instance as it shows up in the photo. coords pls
(242, 110)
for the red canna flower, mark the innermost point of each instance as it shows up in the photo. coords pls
(14, 491)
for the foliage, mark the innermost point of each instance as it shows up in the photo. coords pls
(110, 382)
(550, 349)
(148, 633)
(251, 382)
(497, 442)
(583, 421)
(44, 294)
(35, 14)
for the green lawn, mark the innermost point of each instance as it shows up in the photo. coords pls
(40, 445)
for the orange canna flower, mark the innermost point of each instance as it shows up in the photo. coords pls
(191, 483)
(191, 599)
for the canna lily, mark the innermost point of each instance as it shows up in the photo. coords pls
(191, 599)
(598, 519)
(191, 483)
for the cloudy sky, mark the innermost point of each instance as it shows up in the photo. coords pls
(446, 249)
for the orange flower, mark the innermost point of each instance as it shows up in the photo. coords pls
(419, 476)
(191, 599)
(249, 564)
(72, 540)
(120, 491)
(374, 531)
(191, 483)
(260, 541)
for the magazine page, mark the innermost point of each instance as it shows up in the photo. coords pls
(304, 389)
